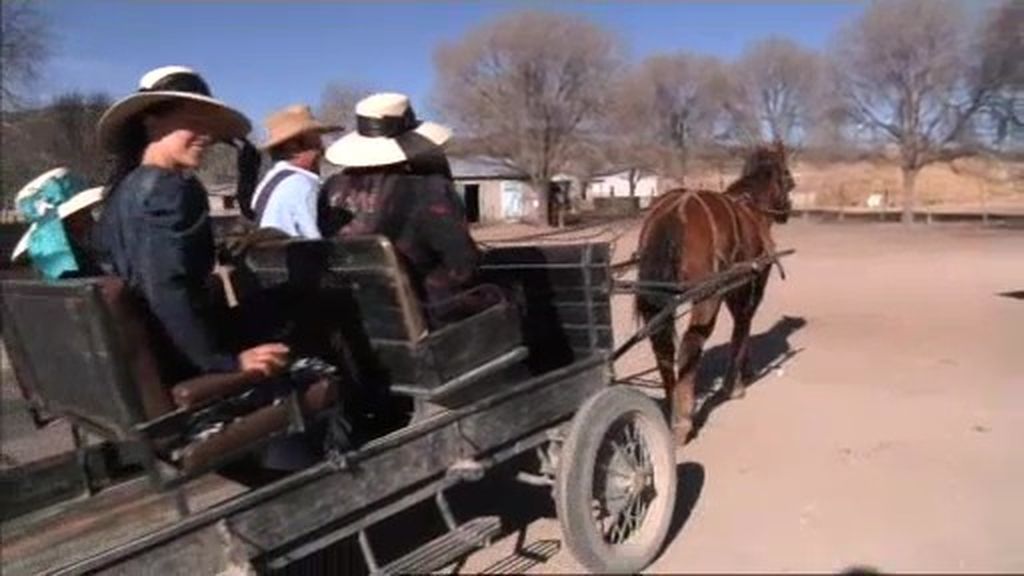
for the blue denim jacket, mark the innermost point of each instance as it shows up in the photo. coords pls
(155, 233)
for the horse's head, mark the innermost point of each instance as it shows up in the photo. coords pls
(769, 165)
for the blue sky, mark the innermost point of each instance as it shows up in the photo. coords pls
(262, 55)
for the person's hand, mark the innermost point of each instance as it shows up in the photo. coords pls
(267, 359)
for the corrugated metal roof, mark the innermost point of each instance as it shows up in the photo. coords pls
(473, 167)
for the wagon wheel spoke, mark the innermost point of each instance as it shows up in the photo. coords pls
(643, 505)
(640, 511)
(643, 456)
(610, 470)
(625, 453)
(624, 521)
(621, 513)
(641, 453)
(634, 442)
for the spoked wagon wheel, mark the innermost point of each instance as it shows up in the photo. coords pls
(616, 485)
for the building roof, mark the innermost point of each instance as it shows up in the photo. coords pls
(484, 167)
(622, 171)
(221, 189)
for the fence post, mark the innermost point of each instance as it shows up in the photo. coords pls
(984, 204)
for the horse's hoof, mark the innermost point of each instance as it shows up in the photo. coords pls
(738, 391)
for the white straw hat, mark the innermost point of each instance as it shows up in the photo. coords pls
(387, 132)
(166, 84)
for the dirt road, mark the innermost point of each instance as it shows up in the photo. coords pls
(890, 437)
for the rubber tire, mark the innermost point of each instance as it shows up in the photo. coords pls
(573, 484)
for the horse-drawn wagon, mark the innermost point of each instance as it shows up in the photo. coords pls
(529, 375)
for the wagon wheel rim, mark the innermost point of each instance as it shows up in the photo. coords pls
(623, 485)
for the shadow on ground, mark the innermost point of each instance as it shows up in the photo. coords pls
(769, 351)
(860, 571)
(691, 478)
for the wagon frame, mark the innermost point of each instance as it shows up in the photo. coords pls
(554, 393)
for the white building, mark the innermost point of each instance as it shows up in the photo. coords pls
(624, 184)
(491, 190)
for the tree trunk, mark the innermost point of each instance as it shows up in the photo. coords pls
(539, 214)
(909, 199)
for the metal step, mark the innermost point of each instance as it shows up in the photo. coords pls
(446, 549)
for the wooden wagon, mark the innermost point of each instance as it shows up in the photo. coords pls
(530, 374)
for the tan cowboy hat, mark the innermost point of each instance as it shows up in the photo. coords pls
(166, 84)
(387, 132)
(287, 123)
(78, 201)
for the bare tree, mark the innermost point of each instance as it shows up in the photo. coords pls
(60, 134)
(904, 71)
(590, 158)
(70, 140)
(220, 166)
(666, 107)
(999, 47)
(24, 49)
(338, 104)
(774, 88)
(526, 87)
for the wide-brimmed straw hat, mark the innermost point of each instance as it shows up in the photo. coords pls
(387, 132)
(56, 189)
(167, 84)
(287, 123)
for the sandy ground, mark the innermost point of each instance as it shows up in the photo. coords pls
(888, 437)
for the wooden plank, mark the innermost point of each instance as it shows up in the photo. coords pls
(64, 335)
(579, 338)
(385, 472)
(573, 313)
(290, 503)
(358, 252)
(76, 530)
(462, 346)
(212, 549)
(540, 279)
(551, 254)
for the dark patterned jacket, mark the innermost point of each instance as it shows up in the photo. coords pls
(421, 214)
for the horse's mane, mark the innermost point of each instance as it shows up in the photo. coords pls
(759, 169)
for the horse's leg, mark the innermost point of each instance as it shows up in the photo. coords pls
(742, 305)
(742, 315)
(664, 346)
(702, 324)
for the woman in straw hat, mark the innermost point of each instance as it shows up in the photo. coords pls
(396, 181)
(155, 228)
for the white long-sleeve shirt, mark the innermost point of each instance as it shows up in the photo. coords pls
(292, 207)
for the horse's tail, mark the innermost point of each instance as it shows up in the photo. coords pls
(660, 259)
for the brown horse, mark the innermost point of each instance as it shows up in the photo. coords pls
(689, 235)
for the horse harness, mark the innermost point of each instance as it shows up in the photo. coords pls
(733, 207)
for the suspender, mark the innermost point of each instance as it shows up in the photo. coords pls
(263, 196)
